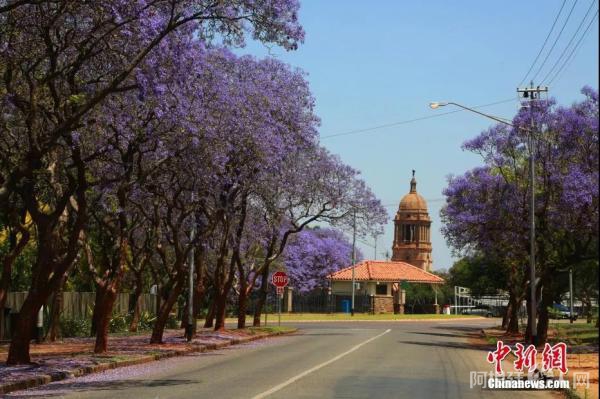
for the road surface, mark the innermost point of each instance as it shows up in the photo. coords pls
(413, 359)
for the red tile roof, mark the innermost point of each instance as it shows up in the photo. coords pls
(386, 271)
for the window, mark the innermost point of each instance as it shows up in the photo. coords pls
(408, 233)
(381, 289)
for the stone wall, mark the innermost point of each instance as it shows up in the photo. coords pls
(383, 304)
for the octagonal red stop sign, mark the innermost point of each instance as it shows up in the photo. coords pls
(279, 279)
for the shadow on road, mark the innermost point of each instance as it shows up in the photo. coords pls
(468, 338)
(465, 329)
(450, 344)
(59, 390)
(324, 334)
(436, 334)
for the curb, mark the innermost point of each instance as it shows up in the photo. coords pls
(385, 321)
(40, 380)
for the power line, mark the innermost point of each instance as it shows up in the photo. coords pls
(560, 57)
(575, 48)
(428, 200)
(545, 41)
(555, 41)
(412, 120)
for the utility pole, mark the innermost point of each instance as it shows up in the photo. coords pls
(571, 294)
(531, 94)
(375, 247)
(353, 261)
(191, 324)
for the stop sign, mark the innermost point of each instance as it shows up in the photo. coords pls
(279, 279)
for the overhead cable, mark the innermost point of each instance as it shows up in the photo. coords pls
(404, 122)
(560, 57)
(545, 41)
(555, 41)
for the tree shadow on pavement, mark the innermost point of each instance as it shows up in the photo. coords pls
(61, 389)
(324, 334)
(451, 344)
(465, 329)
(436, 334)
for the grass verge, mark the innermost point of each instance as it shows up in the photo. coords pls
(287, 317)
(271, 330)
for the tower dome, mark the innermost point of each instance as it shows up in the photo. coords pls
(413, 201)
(412, 237)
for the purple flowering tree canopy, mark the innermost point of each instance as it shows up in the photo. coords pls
(313, 254)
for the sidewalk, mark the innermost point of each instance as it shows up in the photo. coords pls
(74, 357)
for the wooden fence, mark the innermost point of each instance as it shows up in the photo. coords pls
(79, 305)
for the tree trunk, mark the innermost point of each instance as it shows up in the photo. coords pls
(512, 326)
(210, 315)
(588, 310)
(107, 291)
(100, 289)
(221, 298)
(185, 315)
(53, 258)
(505, 316)
(16, 246)
(262, 297)
(18, 352)
(135, 303)
(164, 311)
(105, 309)
(220, 309)
(242, 307)
(528, 296)
(544, 316)
(199, 286)
(57, 302)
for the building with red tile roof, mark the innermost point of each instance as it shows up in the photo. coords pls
(385, 271)
(383, 282)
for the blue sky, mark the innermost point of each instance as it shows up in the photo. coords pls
(376, 63)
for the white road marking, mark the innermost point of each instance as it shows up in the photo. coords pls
(317, 367)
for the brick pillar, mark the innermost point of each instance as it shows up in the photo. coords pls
(287, 300)
(402, 300)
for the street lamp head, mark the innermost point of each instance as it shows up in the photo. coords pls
(436, 105)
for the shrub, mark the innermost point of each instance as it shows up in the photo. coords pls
(172, 322)
(118, 324)
(146, 322)
(75, 327)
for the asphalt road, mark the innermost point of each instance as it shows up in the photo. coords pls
(326, 360)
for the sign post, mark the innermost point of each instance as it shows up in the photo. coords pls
(279, 280)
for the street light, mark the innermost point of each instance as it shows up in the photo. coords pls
(532, 279)
(436, 105)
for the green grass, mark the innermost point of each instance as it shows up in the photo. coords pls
(116, 358)
(285, 317)
(578, 333)
(271, 329)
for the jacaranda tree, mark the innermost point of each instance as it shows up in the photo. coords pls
(487, 208)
